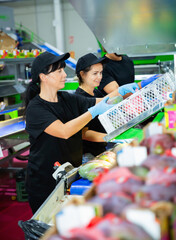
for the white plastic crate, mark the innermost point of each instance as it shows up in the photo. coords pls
(138, 106)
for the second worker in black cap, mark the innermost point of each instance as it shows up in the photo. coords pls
(89, 70)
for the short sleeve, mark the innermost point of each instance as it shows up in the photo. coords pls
(78, 103)
(38, 119)
(85, 103)
(106, 79)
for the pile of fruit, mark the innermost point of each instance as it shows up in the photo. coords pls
(15, 53)
(146, 189)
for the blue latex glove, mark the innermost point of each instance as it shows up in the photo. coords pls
(127, 88)
(100, 108)
(149, 80)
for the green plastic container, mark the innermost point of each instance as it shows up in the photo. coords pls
(22, 195)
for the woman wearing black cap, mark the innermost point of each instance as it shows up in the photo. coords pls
(89, 70)
(54, 121)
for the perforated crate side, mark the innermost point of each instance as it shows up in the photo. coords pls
(140, 105)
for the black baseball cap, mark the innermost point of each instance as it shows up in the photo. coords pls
(43, 60)
(87, 60)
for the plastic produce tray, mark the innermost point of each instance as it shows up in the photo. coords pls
(139, 106)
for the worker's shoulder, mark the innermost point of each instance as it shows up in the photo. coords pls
(127, 58)
(34, 102)
(70, 98)
(66, 95)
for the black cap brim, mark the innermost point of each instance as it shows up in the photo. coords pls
(90, 63)
(61, 57)
(99, 60)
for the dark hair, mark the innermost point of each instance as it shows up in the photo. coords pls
(34, 87)
(80, 80)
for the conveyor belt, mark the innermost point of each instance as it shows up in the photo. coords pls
(11, 108)
(12, 128)
(13, 138)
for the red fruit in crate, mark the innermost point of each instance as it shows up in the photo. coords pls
(159, 161)
(114, 203)
(156, 192)
(119, 228)
(158, 143)
(118, 180)
(165, 176)
(87, 234)
(129, 186)
(118, 174)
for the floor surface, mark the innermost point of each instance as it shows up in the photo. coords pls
(12, 210)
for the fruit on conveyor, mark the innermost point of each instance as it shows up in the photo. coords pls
(91, 169)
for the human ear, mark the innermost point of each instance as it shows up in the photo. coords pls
(83, 75)
(42, 76)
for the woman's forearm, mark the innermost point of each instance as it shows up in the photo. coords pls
(93, 136)
(66, 130)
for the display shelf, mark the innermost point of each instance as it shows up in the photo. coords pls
(14, 139)
(17, 62)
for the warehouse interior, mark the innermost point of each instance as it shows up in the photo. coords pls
(145, 31)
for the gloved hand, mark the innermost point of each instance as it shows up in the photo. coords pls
(149, 80)
(100, 108)
(127, 88)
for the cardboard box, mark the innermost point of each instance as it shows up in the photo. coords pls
(6, 42)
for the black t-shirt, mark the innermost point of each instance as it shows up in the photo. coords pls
(94, 148)
(120, 71)
(46, 149)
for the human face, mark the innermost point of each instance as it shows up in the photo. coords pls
(93, 77)
(57, 79)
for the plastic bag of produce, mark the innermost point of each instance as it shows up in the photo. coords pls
(88, 234)
(118, 228)
(165, 176)
(159, 143)
(92, 169)
(118, 179)
(159, 161)
(108, 156)
(114, 203)
(110, 227)
(155, 192)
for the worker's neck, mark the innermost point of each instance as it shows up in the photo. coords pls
(87, 89)
(50, 96)
(114, 56)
